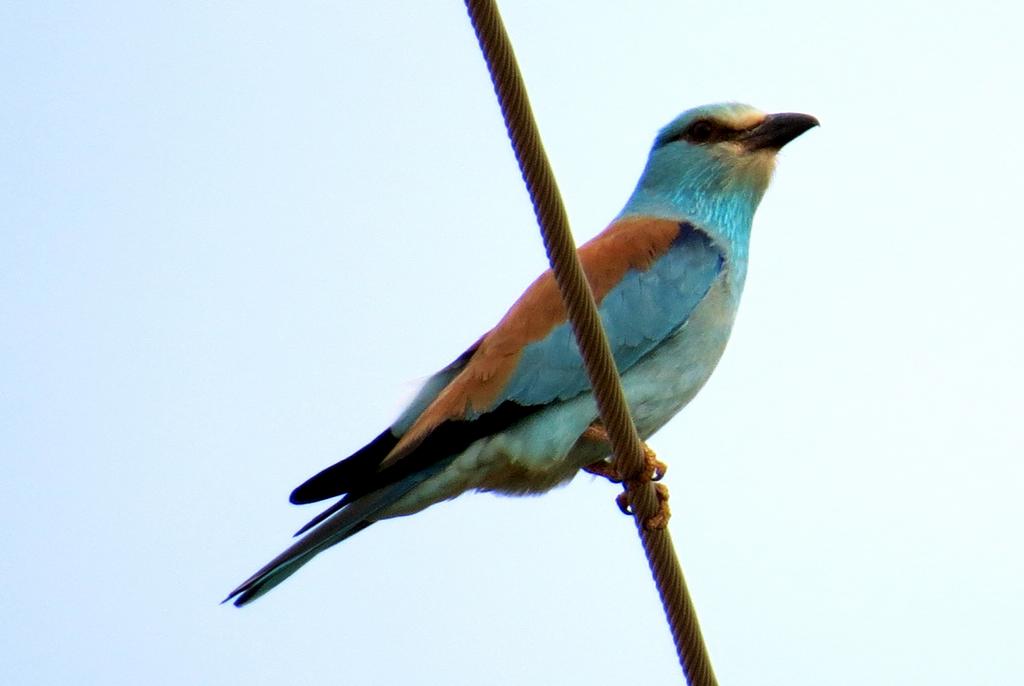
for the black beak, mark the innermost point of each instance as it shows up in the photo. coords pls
(776, 130)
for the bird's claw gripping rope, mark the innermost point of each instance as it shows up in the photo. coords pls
(654, 470)
(659, 520)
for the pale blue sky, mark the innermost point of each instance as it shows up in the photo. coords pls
(234, 235)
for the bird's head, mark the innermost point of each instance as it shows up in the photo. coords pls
(715, 161)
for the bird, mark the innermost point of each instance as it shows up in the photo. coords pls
(514, 414)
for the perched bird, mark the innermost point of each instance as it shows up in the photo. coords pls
(514, 413)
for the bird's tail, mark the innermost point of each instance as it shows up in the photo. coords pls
(339, 524)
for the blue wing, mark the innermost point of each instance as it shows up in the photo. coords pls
(640, 312)
(644, 309)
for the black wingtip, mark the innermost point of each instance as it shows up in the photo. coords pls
(347, 474)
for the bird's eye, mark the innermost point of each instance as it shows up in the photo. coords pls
(700, 131)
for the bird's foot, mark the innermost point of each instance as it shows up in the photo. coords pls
(606, 468)
(654, 470)
(659, 520)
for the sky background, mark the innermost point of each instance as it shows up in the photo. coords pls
(234, 236)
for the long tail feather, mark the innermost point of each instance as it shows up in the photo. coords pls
(322, 516)
(335, 528)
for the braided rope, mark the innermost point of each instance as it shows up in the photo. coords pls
(593, 342)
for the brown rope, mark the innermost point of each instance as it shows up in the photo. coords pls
(593, 343)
